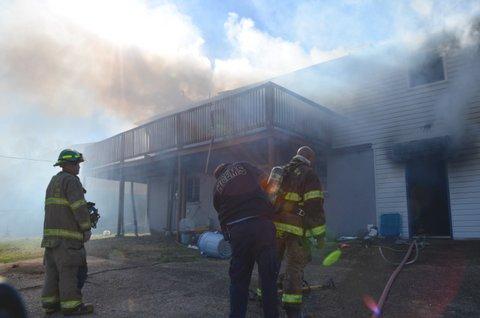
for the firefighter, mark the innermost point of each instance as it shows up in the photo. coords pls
(299, 220)
(245, 213)
(66, 228)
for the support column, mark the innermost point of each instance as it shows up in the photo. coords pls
(121, 208)
(121, 191)
(134, 209)
(181, 194)
(171, 198)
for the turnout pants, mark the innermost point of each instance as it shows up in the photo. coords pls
(253, 240)
(296, 253)
(65, 274)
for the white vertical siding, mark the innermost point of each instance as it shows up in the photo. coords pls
(390, 187)
(399, 115)
(385, 110)
(464, 180)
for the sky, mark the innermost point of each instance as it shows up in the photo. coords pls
(74, 72)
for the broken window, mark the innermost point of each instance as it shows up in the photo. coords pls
(193, 189)
(428, 69)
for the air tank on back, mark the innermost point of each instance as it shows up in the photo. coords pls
(274, 182)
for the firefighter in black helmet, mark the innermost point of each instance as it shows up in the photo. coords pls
(66, 228)
(300, 218)
(245, 213)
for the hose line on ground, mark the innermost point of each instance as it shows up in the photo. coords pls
(380, 249)
(386, 290)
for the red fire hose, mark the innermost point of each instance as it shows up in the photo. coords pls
(386, 290)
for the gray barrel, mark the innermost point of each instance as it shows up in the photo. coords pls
(214, 245)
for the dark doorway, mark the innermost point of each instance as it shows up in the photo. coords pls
(428, 202)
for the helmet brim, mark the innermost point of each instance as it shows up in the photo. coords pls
(59, 163)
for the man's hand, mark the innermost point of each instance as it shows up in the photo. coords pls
(87, 235)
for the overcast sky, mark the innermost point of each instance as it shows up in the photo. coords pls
(80, 71)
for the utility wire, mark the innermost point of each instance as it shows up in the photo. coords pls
(22, 158)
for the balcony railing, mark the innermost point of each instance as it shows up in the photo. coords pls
(267, 105)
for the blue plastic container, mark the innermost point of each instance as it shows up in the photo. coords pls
(390, 224)
(213, 244)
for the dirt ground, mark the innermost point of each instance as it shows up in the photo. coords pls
(147, 277)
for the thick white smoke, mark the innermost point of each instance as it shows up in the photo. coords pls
(73, 72)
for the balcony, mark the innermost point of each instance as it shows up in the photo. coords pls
(253, 112)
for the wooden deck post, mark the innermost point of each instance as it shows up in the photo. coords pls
(180, 175)
(121, 208)
(121, 191)
(171, 198)
(181, 194)
(134, 209)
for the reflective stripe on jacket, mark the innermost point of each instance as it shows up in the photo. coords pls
(301, 190)
(66, 213)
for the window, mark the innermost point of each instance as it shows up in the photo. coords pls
(428, 69)
(193, 189)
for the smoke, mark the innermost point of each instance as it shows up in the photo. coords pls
(53, 56)
(129, 60)
(74, 72)
(453, 106)
(358, 84)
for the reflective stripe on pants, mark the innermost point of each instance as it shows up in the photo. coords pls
(294, 251)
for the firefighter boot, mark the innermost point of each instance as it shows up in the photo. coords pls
(83, 309)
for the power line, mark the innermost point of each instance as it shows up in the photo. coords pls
(22, 158)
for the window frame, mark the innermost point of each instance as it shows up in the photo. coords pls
(192, 189)
(445, 75)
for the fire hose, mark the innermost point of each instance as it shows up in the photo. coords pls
(386, 290)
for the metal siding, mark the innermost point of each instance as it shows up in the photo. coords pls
(464, 179)
(346, 198)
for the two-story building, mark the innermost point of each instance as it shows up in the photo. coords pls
(399, 133)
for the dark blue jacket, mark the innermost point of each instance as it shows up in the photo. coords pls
(238, 193)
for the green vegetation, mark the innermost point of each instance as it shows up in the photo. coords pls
(21, 249)
(144, 248)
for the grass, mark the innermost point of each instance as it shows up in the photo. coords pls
(143, 248)
(20, 249)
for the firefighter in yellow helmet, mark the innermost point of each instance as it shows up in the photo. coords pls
(66, 228)
(300, 218)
